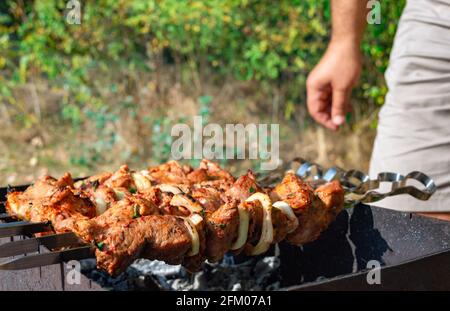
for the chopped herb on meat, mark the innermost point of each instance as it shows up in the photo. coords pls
(136, 213)
(100, 245)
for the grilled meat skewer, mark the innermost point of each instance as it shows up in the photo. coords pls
(178, 214)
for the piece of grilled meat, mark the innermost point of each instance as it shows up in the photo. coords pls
(314, 209)
(159, 237)
(51, 200)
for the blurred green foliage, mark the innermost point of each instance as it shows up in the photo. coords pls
(272, 42)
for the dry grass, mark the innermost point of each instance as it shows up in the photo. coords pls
(46, 146)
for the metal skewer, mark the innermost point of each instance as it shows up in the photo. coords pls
(360, 188)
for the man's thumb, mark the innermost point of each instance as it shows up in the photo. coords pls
(338, 110)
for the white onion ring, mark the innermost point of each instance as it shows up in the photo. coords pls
(146, 174)
(100, 205)
(287, 210)
(78, 184)
(142, 183)
(195, 240)
(119, 194)
(169, 188)
(267, 228)
(183, 201)
(196, 219)
(244, 220)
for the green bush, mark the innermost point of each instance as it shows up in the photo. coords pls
(275, 43)
(262, 40)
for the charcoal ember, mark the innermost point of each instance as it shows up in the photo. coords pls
(157, 267)
(200, 281)
(255, 273)
(100, 278)
(129, 280)
(87, 265)
(264, 268)
(143, 283)
(162, 281)
(123, 285)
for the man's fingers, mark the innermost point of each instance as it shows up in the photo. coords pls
(339, 106)
(320, 111)
(319, 102)
(330, 125)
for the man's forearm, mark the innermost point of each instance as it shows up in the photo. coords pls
(348, 20)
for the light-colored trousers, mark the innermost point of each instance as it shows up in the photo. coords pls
(414, 123)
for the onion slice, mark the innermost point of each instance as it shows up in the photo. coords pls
(146, 174)
(244, 220)
(119, 194)
(100, 205)
(196, 219)
(169, 188)
(195, 240)
(142, 183)
(78, 184)
(184, 201)
(287, 210)
(267, 228)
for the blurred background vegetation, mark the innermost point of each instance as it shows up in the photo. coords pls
(91, 96)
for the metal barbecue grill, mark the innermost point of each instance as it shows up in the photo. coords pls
(413, 251)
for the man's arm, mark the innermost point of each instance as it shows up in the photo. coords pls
(330, 83)
(348, 20)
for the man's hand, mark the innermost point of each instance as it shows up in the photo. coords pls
(330, 83)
